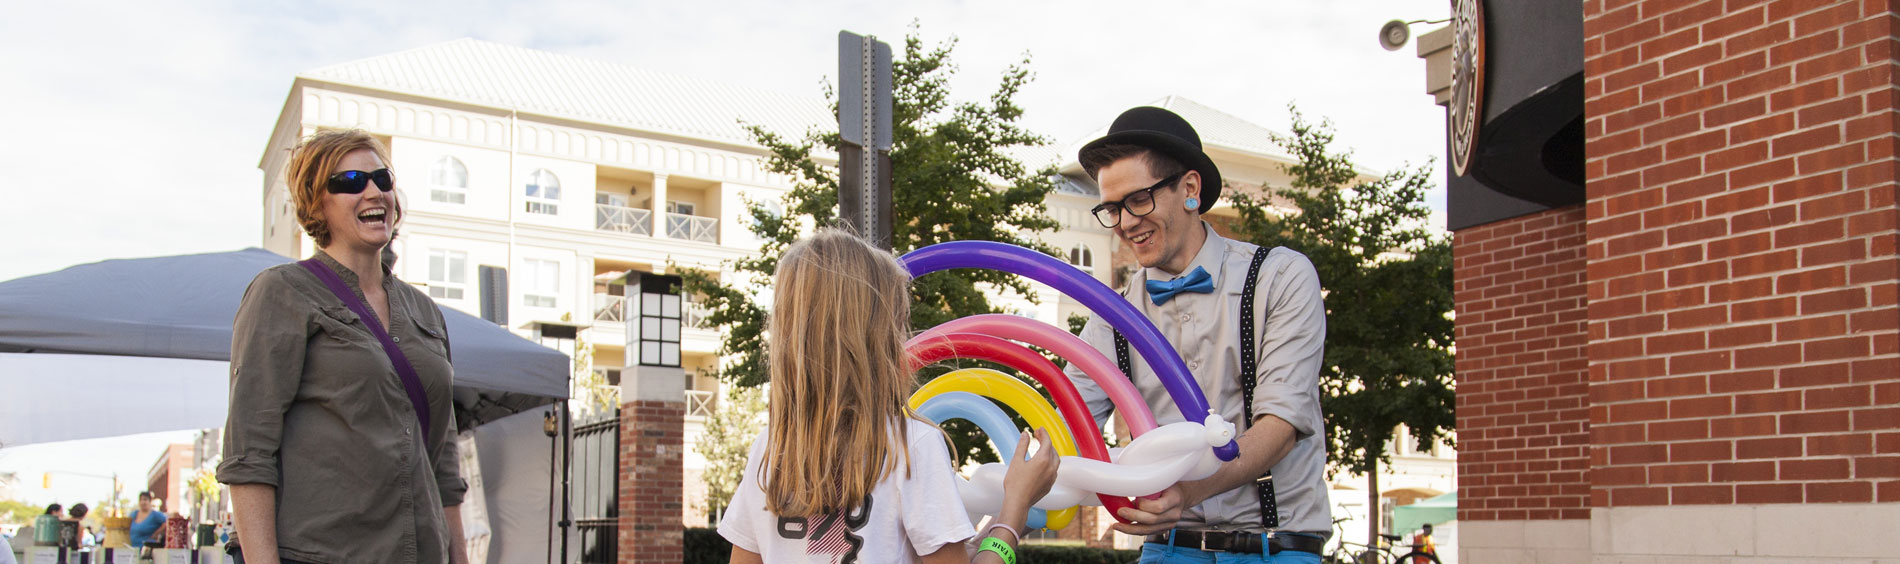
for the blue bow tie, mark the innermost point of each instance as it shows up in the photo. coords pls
(1197, 281)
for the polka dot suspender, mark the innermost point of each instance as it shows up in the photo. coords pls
(1269, 507)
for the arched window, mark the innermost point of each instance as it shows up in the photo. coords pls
(448, 181)
(544, 192)
(1082, 258)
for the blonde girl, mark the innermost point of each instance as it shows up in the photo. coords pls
(845, 472)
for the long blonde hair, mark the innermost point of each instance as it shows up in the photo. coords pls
(840, 379)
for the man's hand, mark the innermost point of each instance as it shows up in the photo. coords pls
(1153, 514)
(1262, 446)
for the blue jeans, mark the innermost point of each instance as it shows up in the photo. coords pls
(1156, 553)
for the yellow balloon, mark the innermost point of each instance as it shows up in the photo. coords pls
(1020, 398)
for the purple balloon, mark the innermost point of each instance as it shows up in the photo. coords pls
(1093, 294)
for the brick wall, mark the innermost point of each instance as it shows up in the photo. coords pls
(1742, 272)
(1522, 419)
(652, 439)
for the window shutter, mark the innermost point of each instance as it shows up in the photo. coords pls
(494, 280)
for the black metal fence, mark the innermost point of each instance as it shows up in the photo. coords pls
(596, 488)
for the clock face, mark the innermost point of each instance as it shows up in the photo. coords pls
(1467, 80)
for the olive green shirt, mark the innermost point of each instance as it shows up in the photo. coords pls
(318, 412)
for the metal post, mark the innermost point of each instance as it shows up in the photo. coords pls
(547, 427)
(864, 124)
(567, 469)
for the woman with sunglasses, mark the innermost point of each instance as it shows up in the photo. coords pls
(340, 440)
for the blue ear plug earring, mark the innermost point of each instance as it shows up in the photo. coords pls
(1193, 203)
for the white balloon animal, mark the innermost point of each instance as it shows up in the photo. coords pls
(1169, 454)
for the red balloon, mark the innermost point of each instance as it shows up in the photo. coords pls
(1023, 359)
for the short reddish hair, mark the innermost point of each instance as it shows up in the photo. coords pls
(312, 163)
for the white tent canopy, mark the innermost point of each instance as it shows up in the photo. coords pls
(149, 340)
(151, 394)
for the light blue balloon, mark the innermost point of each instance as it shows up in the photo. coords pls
(988, 417)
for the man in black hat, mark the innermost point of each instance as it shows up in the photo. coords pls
(1251, 326)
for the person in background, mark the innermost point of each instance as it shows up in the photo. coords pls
(78, 515)
(57, 511)
(6, 550)
(1423, 541)
(146, 520)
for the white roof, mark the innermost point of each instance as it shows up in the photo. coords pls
(1217, 129)
(508, 77)
(503, 76)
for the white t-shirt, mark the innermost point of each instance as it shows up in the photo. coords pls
(907, 517)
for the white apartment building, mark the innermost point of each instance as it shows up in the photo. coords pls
(534, 183)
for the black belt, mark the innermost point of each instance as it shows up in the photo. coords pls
(1240, 542)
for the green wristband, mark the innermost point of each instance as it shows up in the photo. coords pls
(1002, 549)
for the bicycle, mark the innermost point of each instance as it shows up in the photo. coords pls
(1382, 553)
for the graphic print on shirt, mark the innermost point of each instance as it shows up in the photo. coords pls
(826, 534)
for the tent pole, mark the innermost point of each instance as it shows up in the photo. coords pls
(567, 466)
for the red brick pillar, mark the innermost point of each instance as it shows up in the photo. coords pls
(652, 435)
(1745, 339)
(1523, 402)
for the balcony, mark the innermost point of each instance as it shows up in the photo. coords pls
(699, 403)
(692, 228)
(693, 316)
(610, 308)
(623, 219)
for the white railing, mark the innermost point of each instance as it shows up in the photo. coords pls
(699, 403)
(623, 219)
(693, 316)
(692, 228)
(610, 308)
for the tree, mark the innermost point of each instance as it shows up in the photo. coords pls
(1387, 279)
(14, 512)
(726, 442)
(953, 179)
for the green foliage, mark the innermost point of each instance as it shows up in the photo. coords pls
(705, 546)
(19, 512)
(726, 441)
(1388, 293)
(953, 179)
(593, 395)
(1059, 554)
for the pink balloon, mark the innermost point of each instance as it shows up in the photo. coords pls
(1069, 347)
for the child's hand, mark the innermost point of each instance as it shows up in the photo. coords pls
(1029, 480)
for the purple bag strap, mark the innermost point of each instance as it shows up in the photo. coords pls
(410, 382)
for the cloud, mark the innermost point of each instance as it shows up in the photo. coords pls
(134, 129)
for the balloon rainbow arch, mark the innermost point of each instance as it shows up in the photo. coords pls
(1158, 456)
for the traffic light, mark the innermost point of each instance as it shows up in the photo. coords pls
(46, 480)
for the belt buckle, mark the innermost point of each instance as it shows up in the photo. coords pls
(1224, 543)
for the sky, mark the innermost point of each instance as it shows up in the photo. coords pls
(134, 129)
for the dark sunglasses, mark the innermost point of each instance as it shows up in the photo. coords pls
(1138, 203)
(354, 181)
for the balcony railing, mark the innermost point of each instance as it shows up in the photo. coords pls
(699, 403)
(693, 316)
(623, 219)
(610, 308)
(692, 228)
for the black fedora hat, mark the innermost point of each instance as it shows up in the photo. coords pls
(1162, 130)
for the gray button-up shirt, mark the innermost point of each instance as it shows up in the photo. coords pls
(1204, 329)
(318, 412)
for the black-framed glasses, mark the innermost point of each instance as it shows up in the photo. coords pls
(1138, 204)
(354, 181)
